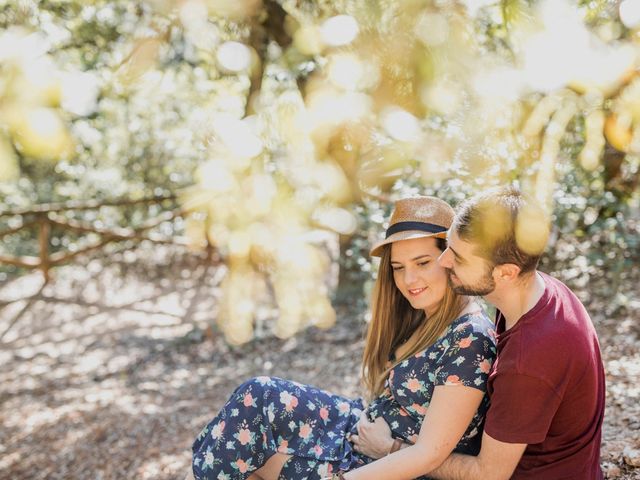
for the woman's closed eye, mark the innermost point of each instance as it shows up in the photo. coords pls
(422, 263)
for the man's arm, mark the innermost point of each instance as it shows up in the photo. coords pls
(450, 412)
(496, 461)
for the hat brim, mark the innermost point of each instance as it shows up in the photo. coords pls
(376, 250)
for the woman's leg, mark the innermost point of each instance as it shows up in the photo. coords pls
(256, 421)
(269, 471)
(252, 477)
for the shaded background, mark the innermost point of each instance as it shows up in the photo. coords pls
(226, 165)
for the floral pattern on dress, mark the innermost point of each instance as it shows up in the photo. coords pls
(268, 415)
(463, 355)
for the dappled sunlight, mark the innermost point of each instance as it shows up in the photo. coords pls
(77, 409)
(282, 131)
(87, 384)
(497, 115)
(73, 367)
(163, 464)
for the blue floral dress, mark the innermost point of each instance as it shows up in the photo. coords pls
(266, 415)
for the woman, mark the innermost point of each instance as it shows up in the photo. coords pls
(427, 357)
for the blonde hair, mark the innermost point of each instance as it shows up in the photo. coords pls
(393, 320)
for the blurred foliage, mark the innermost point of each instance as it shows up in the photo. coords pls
(276, 119)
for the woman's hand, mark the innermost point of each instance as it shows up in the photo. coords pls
(373, 439)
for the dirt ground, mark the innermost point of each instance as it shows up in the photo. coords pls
(110, 370)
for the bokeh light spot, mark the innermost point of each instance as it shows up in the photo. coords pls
(532, 230)
(400, 124)
(234, 56)
(346, 71)
(630, 13)
(339, 30)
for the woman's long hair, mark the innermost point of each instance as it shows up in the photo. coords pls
(394, 320)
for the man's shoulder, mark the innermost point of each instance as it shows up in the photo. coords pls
(550, 350)
(560, 312)
(557, 290)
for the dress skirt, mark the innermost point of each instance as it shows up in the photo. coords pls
(268, 415)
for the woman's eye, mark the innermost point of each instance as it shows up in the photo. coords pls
(395, 269)
(422, 264)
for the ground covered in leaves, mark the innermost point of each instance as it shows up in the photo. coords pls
(110, 370)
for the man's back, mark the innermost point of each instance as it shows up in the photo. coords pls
(547, 389)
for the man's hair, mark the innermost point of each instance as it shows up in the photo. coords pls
(490, 222)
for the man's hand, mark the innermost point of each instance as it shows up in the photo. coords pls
(373, 439)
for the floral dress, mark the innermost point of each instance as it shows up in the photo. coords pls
(266, 415)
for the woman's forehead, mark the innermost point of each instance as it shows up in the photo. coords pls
(408, 249)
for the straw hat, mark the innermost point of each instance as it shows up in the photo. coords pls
(416, 217)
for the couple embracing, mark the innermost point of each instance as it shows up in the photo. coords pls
(451, 394)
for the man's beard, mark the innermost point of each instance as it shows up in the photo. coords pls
(485, 286)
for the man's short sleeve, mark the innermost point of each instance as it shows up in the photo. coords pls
(521, 410)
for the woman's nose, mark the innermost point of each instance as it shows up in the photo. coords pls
(409, 276)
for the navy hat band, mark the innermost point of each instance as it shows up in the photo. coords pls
(421, 226)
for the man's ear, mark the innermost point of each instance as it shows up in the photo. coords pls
(507, 272)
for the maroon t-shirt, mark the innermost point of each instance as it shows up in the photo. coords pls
(547, 389)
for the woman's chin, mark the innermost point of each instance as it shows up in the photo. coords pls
(427, 306)
(419, 304)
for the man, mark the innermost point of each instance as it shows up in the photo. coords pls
(547, 385)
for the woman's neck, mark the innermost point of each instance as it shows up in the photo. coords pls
(469, 306)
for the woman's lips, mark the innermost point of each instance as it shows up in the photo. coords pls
(416, 291)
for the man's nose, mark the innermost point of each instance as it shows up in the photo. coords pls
(445, 259)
